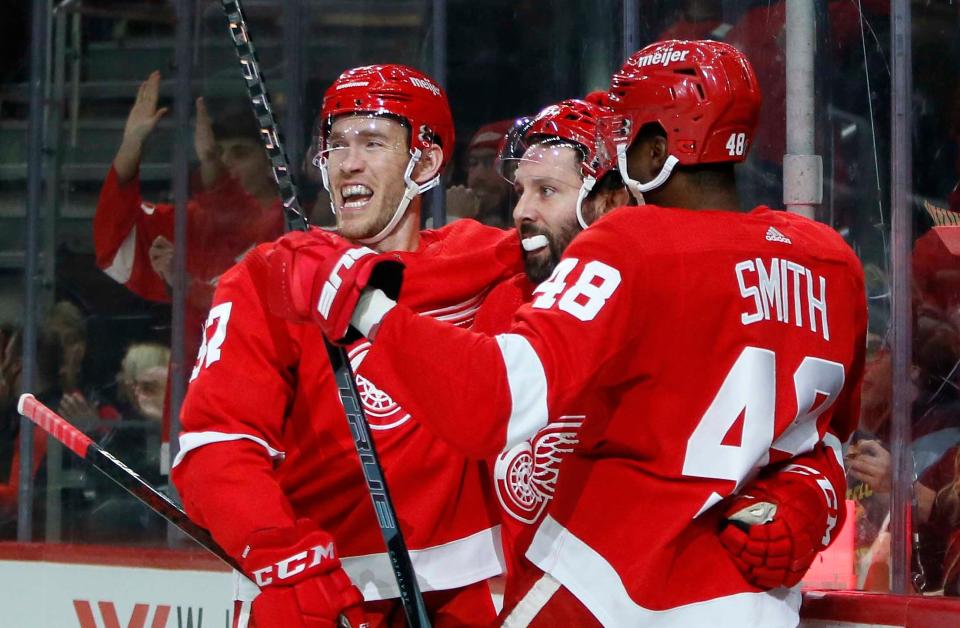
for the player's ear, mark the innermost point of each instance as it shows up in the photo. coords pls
(429, 165)
(617, 197)
(658, 152)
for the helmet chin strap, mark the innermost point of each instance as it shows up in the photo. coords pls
(321, 163)
(636, 188)
(412, 190)
(585, 188)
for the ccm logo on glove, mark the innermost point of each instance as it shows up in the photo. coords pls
(333, 283)
(293, 565)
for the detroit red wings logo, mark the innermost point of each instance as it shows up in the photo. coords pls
(526, 475)
(383, 413)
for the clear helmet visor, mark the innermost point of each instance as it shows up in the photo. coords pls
(512, 147)
(371, 136)
(613, 135)
(556, 161)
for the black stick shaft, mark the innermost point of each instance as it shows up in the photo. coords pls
(410, 596)
(99, 458)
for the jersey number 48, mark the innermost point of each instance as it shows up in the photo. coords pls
(749, 390)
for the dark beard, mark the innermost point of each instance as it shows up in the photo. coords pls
(540, 268)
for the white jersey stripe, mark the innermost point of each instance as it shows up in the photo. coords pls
(194, 440)
(528, 388)
(473, 301)
(441, 567)
(594, 581)
(121, 267)
(458, 315)
(834, 444)
(532, 603)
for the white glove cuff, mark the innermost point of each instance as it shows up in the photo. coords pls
(372, 306)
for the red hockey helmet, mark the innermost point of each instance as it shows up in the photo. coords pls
(598, 97)
(395, 91)
(571, 123)
(704, 94)
(398, 92)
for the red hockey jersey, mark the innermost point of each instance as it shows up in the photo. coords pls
(265, 439)
(223, 223)
(714, 343)
(525, 476)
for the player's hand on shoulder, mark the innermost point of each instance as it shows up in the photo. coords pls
(774, 529)
(318, 276)
(302, 583)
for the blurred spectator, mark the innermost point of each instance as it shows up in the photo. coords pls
(937, 512)
(82, 406)
(235, 208)
(47, 388)
(112, 514)
(936, 270)
(142, 379)
(58, 383)
(934, 399)
(486, 197)
(760, 34)
(697, 19)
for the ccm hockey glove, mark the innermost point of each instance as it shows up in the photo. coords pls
(774, 529)
(302, 584)
(317, 276)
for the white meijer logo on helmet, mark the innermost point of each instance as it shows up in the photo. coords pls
(663, 57)
(353, 84)
(427, 85)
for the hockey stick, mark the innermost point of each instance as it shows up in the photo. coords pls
(82, 445)
(410, 596)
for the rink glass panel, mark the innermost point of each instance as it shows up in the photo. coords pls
(498, 60)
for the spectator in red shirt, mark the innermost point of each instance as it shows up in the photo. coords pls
(235, 208)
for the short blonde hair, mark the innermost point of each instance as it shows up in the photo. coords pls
(141, 356)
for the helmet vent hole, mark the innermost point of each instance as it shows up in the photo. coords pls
(700, 91)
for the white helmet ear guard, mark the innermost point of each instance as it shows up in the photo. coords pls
(321, 164)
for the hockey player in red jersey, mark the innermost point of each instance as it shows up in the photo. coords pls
(550, 160)
(724, 348)
(267, 460)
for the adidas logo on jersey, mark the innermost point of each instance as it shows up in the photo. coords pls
(775, 236)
